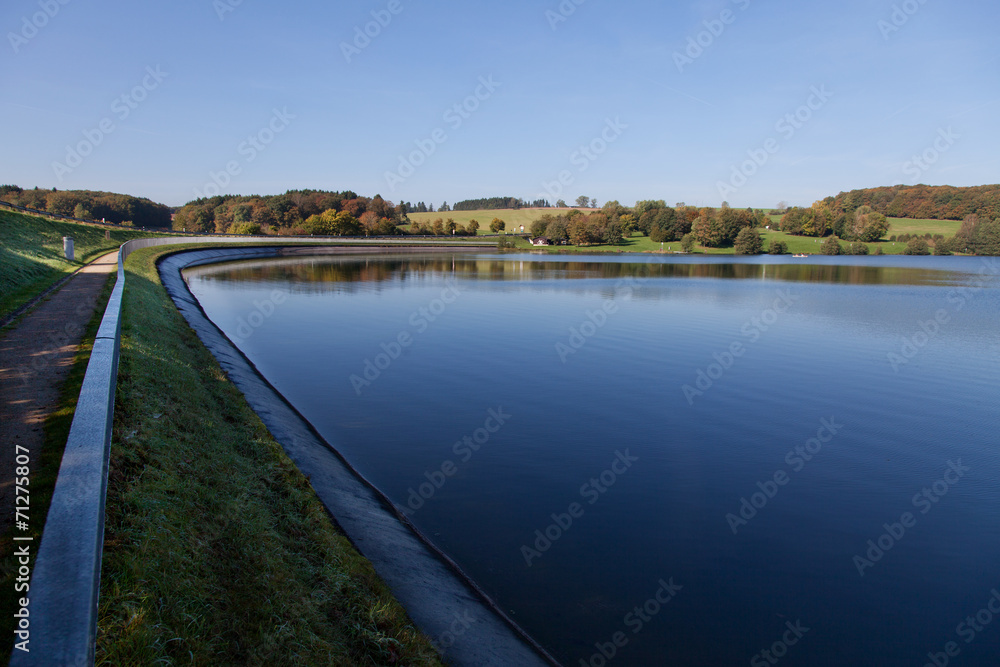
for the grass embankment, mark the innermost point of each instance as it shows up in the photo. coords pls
(45, 472)
(31, 253)
(217, 550)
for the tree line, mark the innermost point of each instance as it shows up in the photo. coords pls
(296, 212)
(499, 202)
(111, 207)
(942, 202)
(613, 223)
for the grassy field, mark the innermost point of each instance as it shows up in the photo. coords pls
(899, 226)
(217, 550)
(524, 216)
(31, 253)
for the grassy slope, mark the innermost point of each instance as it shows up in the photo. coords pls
(43, 476)
(524, 216)
(31, 253)
(217, 550)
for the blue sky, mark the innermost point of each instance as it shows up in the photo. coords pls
(617, 100)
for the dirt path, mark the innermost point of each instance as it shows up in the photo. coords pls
(35, 358)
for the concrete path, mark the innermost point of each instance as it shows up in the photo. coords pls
(35, 357)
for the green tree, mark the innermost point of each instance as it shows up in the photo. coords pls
(560, 203)
(831, 246)
(986, 237)
(473, 227)
(778, 248)
(582, 201)
(917, 246)
(687, 242)
(629, 223)
(748, 242)
(557, 230)
(538, 228)
(857, 249)
(613, 234)
(245, 228)
(497, 225)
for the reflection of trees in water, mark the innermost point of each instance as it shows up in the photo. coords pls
(324, 274)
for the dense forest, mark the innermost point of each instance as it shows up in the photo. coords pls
(942, 202)
(661, 223)
(297, 212)
(88, 205)
(499, 202)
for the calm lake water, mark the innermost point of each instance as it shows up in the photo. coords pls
(671, 461)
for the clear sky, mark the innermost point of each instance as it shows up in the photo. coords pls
(622, 100)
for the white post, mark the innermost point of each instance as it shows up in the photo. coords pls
(68, 247)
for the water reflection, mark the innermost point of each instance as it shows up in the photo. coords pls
(325, 273)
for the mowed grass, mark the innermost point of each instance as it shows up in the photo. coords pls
(31, 253)
(513, 218)
(217, 550)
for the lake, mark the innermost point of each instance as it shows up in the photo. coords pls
(683, 460)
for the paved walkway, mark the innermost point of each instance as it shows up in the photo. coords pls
(35, 358)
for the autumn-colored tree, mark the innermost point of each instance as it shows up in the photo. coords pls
(868, 225)
(497, 225)
(473, 226)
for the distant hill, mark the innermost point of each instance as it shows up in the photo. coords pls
(90, 205)
(934, 202)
